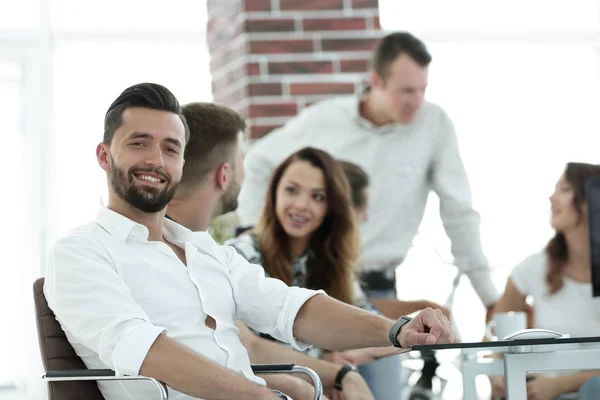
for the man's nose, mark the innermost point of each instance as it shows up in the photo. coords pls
(155, 157)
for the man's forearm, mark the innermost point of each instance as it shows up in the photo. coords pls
(333, 325)
(188, 372)
(263, 351)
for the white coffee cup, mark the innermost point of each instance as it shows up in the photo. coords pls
(505, 323)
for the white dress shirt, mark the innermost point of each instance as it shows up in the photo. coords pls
(114, 292)
(404, 163)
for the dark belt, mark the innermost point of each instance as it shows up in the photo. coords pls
(378, 280)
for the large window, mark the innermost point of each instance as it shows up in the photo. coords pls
(62, 62)
(12, 201)
(521, 82)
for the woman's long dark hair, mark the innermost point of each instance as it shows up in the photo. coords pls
(334, 246)
(557, 250)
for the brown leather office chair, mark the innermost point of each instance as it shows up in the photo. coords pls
(67, 376)
(69, 379)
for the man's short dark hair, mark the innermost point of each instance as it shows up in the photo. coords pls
(358, 179)
(146, 95)
(396, 44)
(214, 131)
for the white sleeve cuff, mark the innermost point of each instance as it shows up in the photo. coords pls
(295, 300)
(481, 280)
(131, 351)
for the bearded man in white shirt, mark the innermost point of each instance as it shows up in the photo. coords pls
(139, 294)
(211, 181)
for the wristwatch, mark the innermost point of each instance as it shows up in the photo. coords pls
(396, 330)
(341, 374)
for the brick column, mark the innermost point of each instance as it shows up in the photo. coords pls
(271, 58)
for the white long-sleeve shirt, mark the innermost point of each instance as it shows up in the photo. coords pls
(114, 292)
(404, 162)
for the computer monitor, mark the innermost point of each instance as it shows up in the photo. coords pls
(592, 190)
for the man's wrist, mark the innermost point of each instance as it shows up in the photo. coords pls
(395, 331)
(342, 373)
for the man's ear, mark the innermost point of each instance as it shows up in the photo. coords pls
(103, 156)
(223, 176)
(375, 80)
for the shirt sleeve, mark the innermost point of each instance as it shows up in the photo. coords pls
(93, 304)
(266, 305)
(461, 221)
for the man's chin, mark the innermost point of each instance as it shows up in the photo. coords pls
(403, 119)
(149, 208)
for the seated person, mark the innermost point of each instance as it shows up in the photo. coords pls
(212, 176)
(139, 294)
(308, 236)
(558, 280)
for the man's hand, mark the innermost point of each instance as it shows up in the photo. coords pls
(428, 327)
(354, 387)
(355, 357)
(542, 388)
(434, 305)
(341, 357)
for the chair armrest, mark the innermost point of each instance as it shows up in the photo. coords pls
(291, 369)
(99, 375)
(272, 368)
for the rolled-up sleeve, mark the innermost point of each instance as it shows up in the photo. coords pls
(460, 220)
(94, 306)
(266, 305)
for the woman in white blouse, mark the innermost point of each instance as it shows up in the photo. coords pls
(558, 280)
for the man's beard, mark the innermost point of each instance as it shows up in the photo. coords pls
(145, 198)
(229, 200)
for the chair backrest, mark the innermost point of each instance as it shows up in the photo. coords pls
(58, 354)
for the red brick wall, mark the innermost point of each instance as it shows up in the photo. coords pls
(271, 58)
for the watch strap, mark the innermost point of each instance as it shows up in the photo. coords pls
(341, 374)
(396, 330)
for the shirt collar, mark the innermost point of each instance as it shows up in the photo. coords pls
(122, 227)
(365, 123)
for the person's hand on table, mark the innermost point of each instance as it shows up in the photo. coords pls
(428, 327)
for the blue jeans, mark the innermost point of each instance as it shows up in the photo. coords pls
(383, 376)
(590, 389)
